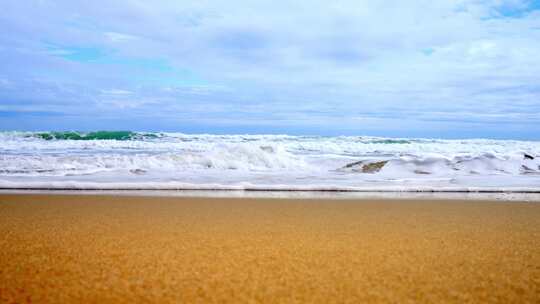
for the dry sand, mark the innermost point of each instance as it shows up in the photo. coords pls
(63, 249)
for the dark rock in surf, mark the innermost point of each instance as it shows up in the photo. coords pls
(137, 171)
(351, 165)
(373, 167)
(527, 156)
(366, 167)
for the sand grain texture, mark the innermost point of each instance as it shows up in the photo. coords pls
(61, 249)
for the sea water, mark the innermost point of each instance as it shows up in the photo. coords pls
(138, 160)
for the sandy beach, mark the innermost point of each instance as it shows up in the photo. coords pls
(87, 248)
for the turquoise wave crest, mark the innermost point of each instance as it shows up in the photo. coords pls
(97, 135)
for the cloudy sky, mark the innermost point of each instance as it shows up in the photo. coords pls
(453, 69)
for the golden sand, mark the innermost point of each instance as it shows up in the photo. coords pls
(62, 249)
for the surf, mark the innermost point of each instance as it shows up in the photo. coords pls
(161, 160)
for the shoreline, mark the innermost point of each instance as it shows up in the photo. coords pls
(296, 194)
(180, 186)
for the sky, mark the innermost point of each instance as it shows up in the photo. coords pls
(445, 69)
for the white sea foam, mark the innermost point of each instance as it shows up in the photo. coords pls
(262, 162)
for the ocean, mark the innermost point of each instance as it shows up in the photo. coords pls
(146, 160)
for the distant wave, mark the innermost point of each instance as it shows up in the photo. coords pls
(131, 135)
(98, 135)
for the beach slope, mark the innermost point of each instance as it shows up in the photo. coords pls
(68, 248)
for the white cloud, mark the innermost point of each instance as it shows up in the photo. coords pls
(116, 92)
(119, 37)
(353, 58)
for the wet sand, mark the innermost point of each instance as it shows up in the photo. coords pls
(67, 248)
